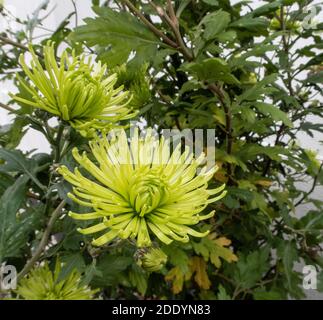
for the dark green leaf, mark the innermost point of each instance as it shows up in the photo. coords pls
(118, 34)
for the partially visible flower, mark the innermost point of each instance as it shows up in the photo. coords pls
(152, 259)
(137, 82)
(76, 90)
(140, 188)
(43, 284)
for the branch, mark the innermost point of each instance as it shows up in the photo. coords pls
(43, 242)
(312, 188)
(151, 27)
(173, 23)
(6, 40)
(228, 120)
(6, 107)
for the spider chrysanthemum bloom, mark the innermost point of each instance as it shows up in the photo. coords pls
(140, 189)
(43, 284)
(75, 89)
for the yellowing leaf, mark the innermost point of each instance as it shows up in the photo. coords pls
(177, 277)
(223, 241)
(198, 266)
(220, 174)
(212, 248)
(264, 183)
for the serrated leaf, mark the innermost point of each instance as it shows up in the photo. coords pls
(117, 35)
(254, 25)
(17, 162)
(198, 267)
(14, 229)
(176, 276)
(213, 249)
(256, 92)
(288, 252)
(251, 267)
(215, 23)
(71, 262)
(138, 279)
(275, 113)
(212, 69)
(177, 257)
(11, 135)
(222, 294)
(110, 268)
(315, 78)
(211, 2)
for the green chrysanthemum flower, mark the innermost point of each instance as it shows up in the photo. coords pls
(141, 189)
(151, 259)
(43, 284)
(75, 90)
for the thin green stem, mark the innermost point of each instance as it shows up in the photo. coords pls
(43, 242)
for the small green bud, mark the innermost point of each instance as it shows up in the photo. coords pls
(152, 259)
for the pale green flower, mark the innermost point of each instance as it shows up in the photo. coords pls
(43, 284)
(76, 90)
(151, 259)
(140, 189)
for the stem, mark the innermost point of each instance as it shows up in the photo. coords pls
(58, 143)
(76, 14)
(6, 40)
(312, 188)
(175, 26)
(6, 107)
(43, 242)
(173, 23)
(228, 121)
(289, 84)
(151, 27)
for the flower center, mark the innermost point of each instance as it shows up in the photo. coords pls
(147, 191)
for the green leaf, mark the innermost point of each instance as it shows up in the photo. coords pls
(261, 294)
(90, 272)
(275, 113)
(139, 279)
(215, 23)
(11, 134)
(117, 35)
(71, 262)
(237, 61)
(288, 252)
(17, 162)
(252, 151)
(177, 257)
(250, 268)
(110, 268)
(6, 180)
(317, 60)
(14, 229)
(312, 221)
(315, 78)
(254, 25)
(212, 69)
(267, 8)
(222, 294)
(308, 127)
(211, 2)
(258, 90)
